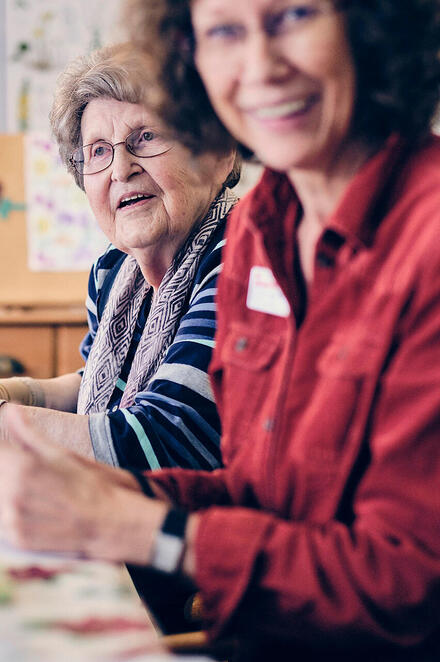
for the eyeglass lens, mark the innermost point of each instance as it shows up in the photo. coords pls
(94, 157)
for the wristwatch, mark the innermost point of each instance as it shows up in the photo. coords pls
(169, 545)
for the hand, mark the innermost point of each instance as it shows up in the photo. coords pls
(52, 499)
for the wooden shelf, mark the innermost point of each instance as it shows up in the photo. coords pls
(44, 340)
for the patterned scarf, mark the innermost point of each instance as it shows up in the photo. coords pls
(118, 322)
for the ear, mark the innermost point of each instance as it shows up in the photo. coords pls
(233, 163)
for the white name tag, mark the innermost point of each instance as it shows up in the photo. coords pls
(264, 293)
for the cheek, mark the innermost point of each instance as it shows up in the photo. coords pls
(99, 203)
(218, 84)
(177, 183)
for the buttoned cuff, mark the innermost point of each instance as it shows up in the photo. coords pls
(228, 543)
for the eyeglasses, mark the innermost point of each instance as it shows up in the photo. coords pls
(95, 157)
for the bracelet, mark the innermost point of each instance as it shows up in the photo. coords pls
(36, 393)
(169, 545)
(23, 390)
(144, 483)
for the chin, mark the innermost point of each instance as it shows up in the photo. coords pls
(280, 163)
(284, 160)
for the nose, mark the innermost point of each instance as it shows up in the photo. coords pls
(124, 163)
(262, 60)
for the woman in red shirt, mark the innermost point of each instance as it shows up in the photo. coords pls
(320, 538)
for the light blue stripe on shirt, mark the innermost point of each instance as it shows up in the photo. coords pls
(142, 438)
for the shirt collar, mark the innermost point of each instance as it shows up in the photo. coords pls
(358, 213)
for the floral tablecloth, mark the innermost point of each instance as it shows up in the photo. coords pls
(68, 610)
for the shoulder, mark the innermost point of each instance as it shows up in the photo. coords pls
(266, 200)
(421, 172)
(418, 196)
(108, 263)
(210, 264)
(102, 277)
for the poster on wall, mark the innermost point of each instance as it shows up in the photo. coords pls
(62, 233)
(42, 36)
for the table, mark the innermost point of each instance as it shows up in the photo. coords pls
(55, 608)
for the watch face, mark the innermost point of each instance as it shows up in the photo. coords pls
(168, 549)
(168, 552)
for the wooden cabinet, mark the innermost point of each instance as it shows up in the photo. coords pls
(41, 342)
(42, 313)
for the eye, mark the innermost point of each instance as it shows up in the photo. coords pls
(146, 136)
(99, 150)
(290, 18)
(141, 139)
(222, 32)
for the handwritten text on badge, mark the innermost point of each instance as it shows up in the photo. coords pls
(264, 293)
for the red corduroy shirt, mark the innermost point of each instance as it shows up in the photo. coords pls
(322, 533)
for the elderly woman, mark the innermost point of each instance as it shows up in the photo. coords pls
(320, 537)
(144, 398)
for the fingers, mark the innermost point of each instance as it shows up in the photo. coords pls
(39, 506)
(15, 466)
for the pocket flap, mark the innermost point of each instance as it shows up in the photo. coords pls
(351, 355)
(249, 350)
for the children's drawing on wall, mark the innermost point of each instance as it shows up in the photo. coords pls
(7, 205)
(62, 233)
(41, 37)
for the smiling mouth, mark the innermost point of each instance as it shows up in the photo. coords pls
(133, 199)
(286, 109)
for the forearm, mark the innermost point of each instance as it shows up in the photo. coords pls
(64, 428)
(125, 530)
(161, 430)
(191, 490)
(319, 583)
(60, 393)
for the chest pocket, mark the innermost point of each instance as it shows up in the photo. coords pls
(353, 354)
(248, 359)
(348, 375)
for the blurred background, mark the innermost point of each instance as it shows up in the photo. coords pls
(48, 237)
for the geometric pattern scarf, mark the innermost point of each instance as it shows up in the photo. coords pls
(115, 331)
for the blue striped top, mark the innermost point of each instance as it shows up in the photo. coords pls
(174, 422)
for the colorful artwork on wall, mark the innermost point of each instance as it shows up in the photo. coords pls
(62, 233)
(41, 37)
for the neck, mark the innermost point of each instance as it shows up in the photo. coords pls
(154, 262)
(319, 193)
(320, 190)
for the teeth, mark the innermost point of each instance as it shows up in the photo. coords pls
(274, 112)
(133, 197)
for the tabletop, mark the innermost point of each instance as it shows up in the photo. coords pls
(59, 609)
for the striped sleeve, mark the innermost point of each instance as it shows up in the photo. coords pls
(174, 422)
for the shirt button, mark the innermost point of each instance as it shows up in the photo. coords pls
(268, 424)
(324, 260)
(241, 344)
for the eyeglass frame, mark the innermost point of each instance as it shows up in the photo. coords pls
(74, 163)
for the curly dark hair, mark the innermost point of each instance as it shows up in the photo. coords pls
(395, 47)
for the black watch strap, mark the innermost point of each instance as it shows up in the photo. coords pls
(144, 483)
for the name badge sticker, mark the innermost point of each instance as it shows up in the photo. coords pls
(265, 295)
